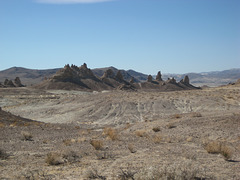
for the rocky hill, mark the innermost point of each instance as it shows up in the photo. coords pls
(28, 76)
(31, 77)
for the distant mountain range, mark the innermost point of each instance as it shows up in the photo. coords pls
(215, 78)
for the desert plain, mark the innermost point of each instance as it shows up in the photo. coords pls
(60, 134)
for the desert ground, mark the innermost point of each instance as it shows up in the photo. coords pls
(57, 134)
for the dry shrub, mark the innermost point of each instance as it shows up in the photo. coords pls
(27, 136)
(185, 171)
(171, 126)
(71, 156)
(226, 151)
(26, 124)
(177, 116)
(216, 147)
(67, 142)
(189, 139)
(128, 125)
(93, 174)
(157, 139)
(196, 114)
(3, 154)
(97, 144)
(14, 124)
(156, 129)
(126, 174)
(77, 127)
(141, 133)
(54, 158)
(2, 125)
(213, 147)
(81, 139)
(131, 148)
(111, 133)
(105, 155)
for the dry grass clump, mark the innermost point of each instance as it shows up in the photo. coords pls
(26, 136)
(216, 147)
(157, 139)
(97, 144)
(156, 129)
(111, 133)
(105, 155)
(196, 114)
(54, 158)
(131, 148)
(177, 116)
(2, 125)
(126, 174)
(68, 142)
(141, 133)
(71, 156)
(189, 139)
(171, 126)
(93, 174)
(171, 172)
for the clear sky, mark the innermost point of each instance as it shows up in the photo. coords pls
(174, 36)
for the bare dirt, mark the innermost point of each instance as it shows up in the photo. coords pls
(120, 134)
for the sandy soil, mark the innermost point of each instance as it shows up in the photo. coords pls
(119, 134)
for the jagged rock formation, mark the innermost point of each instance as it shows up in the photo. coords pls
(74, 78)
(82, 78)
(169, 85)
(171, 80)
(150, 78)
(159, 76)
(185, 80)
(113, 80)
(10, 83)
(18, 82)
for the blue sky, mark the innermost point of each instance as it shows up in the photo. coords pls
(174, 36)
